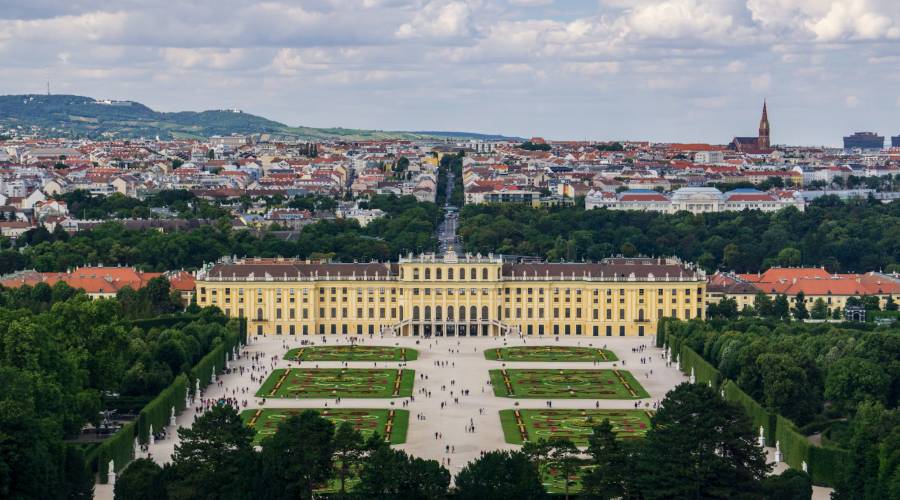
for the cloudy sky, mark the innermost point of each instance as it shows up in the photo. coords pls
(663, 70)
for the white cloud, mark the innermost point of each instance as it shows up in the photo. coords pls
(597, 68)
(438, 19)
(346, 59)
(761, 83)
(531, 3)
(217, 59)
(671, 19)
(736, 67)
(830, 20)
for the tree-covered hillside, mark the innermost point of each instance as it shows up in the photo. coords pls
(79, 116)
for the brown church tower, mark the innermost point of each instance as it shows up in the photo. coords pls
(764, 129)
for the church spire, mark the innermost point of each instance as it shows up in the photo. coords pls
(764, 128)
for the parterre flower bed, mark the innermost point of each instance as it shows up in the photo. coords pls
(566, 383)
(352, 353)
(576, 425)
(390, 424)
(330, 383)
(550, 353)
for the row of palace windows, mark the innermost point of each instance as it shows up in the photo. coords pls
(393, 291)
(370, 329)
(473, 313)
(439, 275)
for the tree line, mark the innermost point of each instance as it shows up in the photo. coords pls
(841, 382)
(65, 359)
(682, 457)
(83, 204)
(842, 236)
(780, 308)
(409, 226)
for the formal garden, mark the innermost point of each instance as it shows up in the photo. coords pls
(352, 352)
(550, 353)
(566, 384)
(575, 425)
(338, 383)
(390, 424)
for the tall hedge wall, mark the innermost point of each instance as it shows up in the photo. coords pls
(759, 415)
(827, 464)
(703, 371)
(215, 359)
(157, 412)
(824, 463)
(119, 447)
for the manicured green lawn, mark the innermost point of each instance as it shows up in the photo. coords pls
(338, 382)
(366, 420)
(550, 353)
(352, 353)
(567, 384)
(575, 425)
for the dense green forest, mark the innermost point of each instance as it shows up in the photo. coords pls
(409, 226)
(183, 203)
(682, 457)
(852, 236)
(841, 383)
(64, 358)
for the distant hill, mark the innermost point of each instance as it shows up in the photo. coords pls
(79, 116)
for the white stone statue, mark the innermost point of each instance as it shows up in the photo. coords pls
(187, 397)
(212, 377)
(150, 435)
(693, 379)
(172, 417)
(197, 388)
(804, 466)
(111, 473)
(778, 456)
(761, 440)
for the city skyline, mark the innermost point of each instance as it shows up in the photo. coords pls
(659, 70)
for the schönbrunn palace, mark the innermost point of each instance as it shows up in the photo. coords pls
(454, 295)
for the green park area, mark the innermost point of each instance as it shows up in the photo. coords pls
(575, 425)
(352, 353)
(391, 424)
(338, 382)
(566, 384)
(550, 353)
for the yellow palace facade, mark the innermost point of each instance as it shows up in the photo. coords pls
(452, 295)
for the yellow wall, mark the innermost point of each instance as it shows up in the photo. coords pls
(548, 305)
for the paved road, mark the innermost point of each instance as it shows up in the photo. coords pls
(446, 233)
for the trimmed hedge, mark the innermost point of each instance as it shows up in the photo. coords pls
(214, 360)
(759, 415)
(825, 464)
(703, 371)
(159, 410)
(119, 447)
